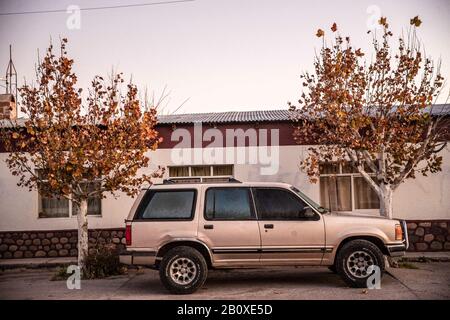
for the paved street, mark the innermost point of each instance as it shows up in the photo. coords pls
(430, 281)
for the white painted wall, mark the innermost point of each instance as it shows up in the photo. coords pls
(425, 197)
(422, 198)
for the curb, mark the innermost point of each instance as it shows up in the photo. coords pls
(37, 265)
(424, 259)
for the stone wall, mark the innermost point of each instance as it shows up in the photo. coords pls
(39, 244)
(431, 235)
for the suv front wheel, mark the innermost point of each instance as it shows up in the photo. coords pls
(183, 270)
(354, 259)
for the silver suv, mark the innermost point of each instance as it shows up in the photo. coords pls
(184, 229)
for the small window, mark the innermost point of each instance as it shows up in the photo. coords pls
(53, 207)
(94, 203)
(342, 188)
(329, 168)
(60, 207)
(348, 167)
(228, 204)
(336, 193)
(200, 171)
(365, 196)
(168, 204)
(278, 204)
(223, 170)
(178, 171)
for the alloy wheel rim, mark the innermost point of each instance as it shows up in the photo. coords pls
(358, 263)
(183, 271)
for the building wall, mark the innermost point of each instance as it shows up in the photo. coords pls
(19, 208)
(424, 202)
(423, 198)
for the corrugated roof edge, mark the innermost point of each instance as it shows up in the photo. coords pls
(281, 115)
(227, 117)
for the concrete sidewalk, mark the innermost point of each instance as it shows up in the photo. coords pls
(36, 262)
(56, 262)
(442, 256)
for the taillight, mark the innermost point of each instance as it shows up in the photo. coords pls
(128, 234)
(398, 232)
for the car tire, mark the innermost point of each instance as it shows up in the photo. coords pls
(183, 270)
(354, 258)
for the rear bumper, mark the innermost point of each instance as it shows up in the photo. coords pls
(138, 257)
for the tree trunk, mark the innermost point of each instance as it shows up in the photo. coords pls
(385, 197)
(82, 234)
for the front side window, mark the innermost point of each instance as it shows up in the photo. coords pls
(167, 204)
(228, 204)
(279, 204)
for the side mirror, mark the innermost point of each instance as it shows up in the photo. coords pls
(308, 212)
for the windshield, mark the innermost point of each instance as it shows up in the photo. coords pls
(311, 202)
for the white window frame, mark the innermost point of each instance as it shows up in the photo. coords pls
(352, 175)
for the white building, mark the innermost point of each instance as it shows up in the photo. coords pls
(263, 150)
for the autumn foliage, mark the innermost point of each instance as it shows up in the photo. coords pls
(67, 140)
(378, 113)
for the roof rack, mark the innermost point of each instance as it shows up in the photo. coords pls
(214, 179)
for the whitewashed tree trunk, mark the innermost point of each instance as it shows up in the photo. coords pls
(82, 234)
(385, 196)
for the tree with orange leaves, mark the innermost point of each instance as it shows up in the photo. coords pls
(380, 115)
(65, 144)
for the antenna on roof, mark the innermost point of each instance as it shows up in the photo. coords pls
(11, 77)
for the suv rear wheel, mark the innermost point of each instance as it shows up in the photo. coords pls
(354, 259)
(183, 270)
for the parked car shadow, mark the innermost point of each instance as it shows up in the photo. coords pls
(234, 280)
(321, 277)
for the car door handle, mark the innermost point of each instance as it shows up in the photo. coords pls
(208, 226)
(268, 226)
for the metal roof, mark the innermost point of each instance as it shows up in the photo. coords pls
(227, 117)
(239, 116)
(256, 116)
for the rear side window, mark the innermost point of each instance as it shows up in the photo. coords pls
(278, 204)
(167, 204)
(228, 204)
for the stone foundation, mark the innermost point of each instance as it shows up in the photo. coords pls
(39, 244)
(429, 235)
(424, 235)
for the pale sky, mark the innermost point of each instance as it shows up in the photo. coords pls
(221, 54)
